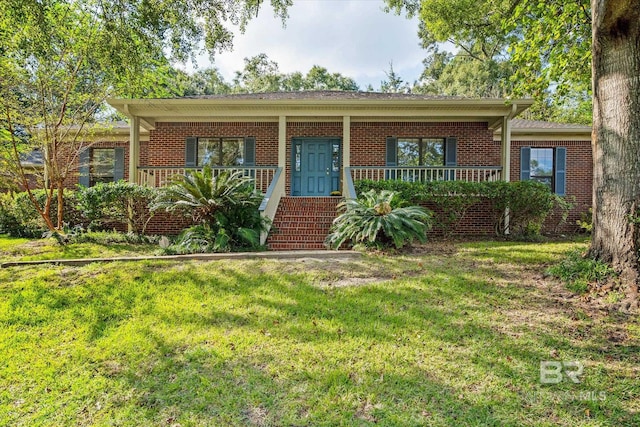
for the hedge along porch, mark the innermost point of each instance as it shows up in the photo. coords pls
(310, 144)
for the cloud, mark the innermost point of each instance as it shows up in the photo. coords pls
(353, 37)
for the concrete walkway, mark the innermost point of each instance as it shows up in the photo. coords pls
(197, 257)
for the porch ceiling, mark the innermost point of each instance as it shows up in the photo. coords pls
(152, 111)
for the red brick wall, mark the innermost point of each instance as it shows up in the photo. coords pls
(476, 221)
(476, 147)
(475, 141)
(167, 141)
(579, 179)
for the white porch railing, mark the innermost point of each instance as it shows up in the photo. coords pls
(161, 176)
(441, 173)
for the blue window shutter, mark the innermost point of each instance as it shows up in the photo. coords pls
(250, 151)
(450, 157)
(392, 156)
(525, 163)
(118, 167)
(450, 151)
(561, 171)
(191, 153)
(392, 151)
(84, 158)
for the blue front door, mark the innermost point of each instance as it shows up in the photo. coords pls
(316, 167)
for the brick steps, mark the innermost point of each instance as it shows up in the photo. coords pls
(302, 223)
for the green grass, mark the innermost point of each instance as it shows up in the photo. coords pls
(18, 249)
(453, 336)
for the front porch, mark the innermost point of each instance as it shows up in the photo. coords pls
(296, 145)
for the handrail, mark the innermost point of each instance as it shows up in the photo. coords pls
(270, 202)
(350, 188)
(270, 190)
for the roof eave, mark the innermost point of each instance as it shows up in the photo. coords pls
(152, 110)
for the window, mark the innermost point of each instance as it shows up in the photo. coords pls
(100, 165)
(220, 152)
(545, 165)
(421, 151)
(541, 166)
(409, 153)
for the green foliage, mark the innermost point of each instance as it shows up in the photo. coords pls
(379, 219)
(579, 271)
(112, 237)
(224, 206)
(106, 205)
(261, 74)
(529, 202)
(19, 217)
(508, 48)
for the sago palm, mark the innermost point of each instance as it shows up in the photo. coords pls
(379, 219)
(202, 196)
(225, 207)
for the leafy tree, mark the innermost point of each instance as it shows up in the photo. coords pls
(510, 47)
(319, 78)
(60, 59)
(261, 74)
(394, 83)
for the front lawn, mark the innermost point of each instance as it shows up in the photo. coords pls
(449, 335)
(18, 249)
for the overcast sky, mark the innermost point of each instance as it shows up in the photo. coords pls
(353, 37)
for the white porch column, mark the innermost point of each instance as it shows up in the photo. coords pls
(134, 148)
(346, 153)
(506, 148)
(282, 154)
(282, 142)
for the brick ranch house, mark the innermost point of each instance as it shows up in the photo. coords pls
(303, 147)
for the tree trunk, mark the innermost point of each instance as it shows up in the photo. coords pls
(60, 212)
(616, 137)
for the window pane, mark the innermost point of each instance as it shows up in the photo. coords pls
(208, 151)
(335, 157)
(542, 165)
(103, 164)
(298, 156)
(221, 151)
(409, 152)
(433, 152)
(232, 152)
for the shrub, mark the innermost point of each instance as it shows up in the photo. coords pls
(529, 202)
(107, 205)
(19, 217)
(379, 219)
(224, 206)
